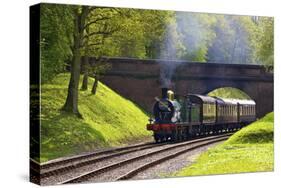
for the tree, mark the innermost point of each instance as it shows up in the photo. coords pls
(196, 34)
(98, 28)
(265, 50)
(99, 67)
(88, 23)
(80, 15)
(140, 34)
(55, 39)
(235, 41)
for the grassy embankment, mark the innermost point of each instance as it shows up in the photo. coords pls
(249, 150)
(108, 120)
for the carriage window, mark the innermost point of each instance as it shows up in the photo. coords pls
(227, 110)
(251, 109)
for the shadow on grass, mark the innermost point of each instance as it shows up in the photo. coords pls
(65, 134)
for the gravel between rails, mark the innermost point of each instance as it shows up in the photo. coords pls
(115, 173)
(56, 163)
(57, 179)
(89, 159)
(169, 167)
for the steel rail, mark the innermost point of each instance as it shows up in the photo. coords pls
(56, 162)
(87, 175)
(89, 161)
(141, 168)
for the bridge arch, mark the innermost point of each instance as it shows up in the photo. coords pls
(248, 88)
(138, 80)
(229, 92)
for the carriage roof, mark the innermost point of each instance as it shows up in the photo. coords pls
(236, 101)
(219, 100)
(202, 98)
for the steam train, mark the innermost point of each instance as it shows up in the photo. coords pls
(197, 115)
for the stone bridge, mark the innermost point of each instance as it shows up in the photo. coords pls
(139, 80)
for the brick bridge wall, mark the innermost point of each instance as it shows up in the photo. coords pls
(138, 80)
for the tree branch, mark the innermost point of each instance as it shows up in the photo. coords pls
(95, 44)
(100, 33)
(95, 21)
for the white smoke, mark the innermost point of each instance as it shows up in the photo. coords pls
(168, 55)
(183, 38)
(204, 38)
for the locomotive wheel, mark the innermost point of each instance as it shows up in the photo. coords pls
(163, 139)
(157, 138)
(174, 136)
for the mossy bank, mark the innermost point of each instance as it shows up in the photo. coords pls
(249, 150)
(108, 120)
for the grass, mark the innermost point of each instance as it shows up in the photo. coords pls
(249, 150)
(108, 120)
(229, 92)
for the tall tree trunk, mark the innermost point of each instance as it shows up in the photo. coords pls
(95, 85)
(86, 74)
(86, 63)
(71, 103)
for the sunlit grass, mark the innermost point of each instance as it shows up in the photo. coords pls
(249, 150)
(108, 120)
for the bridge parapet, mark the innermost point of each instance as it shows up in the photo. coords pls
(151, 68)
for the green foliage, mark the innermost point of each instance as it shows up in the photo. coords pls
(265, 51)
(259, 132)
(233, 41)
(56, 27)
(249, 150)
(139, 33)
(196, 34)
(108, 120)
(229, 92)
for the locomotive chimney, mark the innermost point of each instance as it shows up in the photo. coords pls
(164, 92)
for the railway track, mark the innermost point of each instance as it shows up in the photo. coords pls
(56, 167)
(128, 167)
(55, 163)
